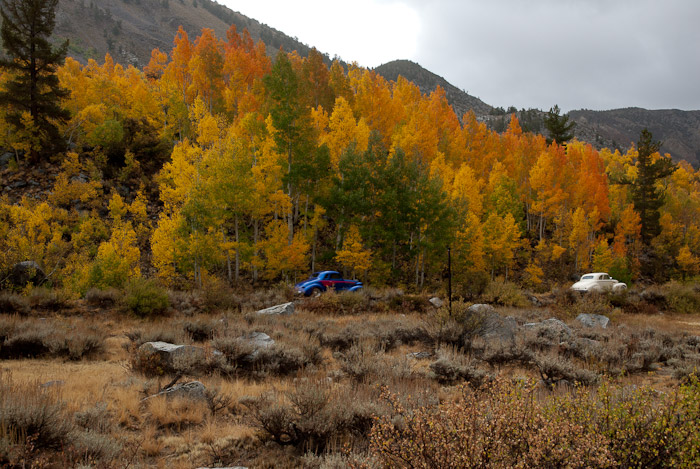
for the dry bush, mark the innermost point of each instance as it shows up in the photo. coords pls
(29, 413)
(11, 303)
(359, 361)
(103, 298)
(504, 293)
(51, 337)
(334, 303)
(452, 367)
(554, 369)
(240, 355)
(187, 303)
(201, 330)
(407, 304)
(169, 332)
(505, 425)
(176, 413)
(312, 415)
(682, 298)
(500, 425)
(47, 299)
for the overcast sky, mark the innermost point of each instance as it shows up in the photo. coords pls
(592, 54)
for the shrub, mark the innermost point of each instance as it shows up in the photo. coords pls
(504, 293)
(48, 299)
(30, 412)
(506, 425)
(682, 299)
(145, 298)
(451, 367)
(11, 303)
(187, 303)
(200, 330)
(309, 416)
(102, 298)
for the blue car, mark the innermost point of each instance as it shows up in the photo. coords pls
(324, 281)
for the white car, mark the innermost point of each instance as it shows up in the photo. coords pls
(598, 282)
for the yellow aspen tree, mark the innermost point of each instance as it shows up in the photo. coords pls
(688, 263)
(353, 255)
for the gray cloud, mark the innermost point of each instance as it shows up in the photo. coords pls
(578, 54)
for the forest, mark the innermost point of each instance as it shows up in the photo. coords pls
(217, 165)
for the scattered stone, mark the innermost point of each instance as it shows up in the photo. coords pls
(437, 302)
(227, 467)
(5, 159)
(482, 309)
(53, 383)
(18, 184)
(419, 355)
(194, 390)
(553, 324)
(25, 272)
(171, 356)
(260, 339)
(286, 308)
(557, 324)
(593, 320)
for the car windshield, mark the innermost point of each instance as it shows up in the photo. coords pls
(587, 277)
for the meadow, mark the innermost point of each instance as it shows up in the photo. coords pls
(373, 379)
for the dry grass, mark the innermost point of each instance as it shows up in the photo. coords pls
(323, 374)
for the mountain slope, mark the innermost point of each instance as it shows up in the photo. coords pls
(130, 29)
(427, 81)
(679, 131)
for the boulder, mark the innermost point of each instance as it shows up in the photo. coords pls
(552, 324)
(194, 390)
(491, 325)
(435, 301)
(259, 341)
(593, 320)
(286, 308)
(170, 356)
(481, 309)
(5, 159)
(25, 272)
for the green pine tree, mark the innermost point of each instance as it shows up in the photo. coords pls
(559, 127)
(646, 196)
(32, 63)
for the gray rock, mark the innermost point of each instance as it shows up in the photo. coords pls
(593, 320)
(491, 325)
(5, 159)
(227, 467)
(286, 308)
(193, 390)
(419, 355)
(173, 357)
(18, 184)
(556, 324)
(481, 309)
(260, 339)
(437, 302)
(553, 324)
(25, 272)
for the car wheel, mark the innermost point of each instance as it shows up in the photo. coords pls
(315, 292)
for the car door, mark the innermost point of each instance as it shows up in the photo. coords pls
(337, 282)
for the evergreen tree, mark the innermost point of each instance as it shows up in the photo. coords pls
(646, 196)
(559, 127)
(34, 89)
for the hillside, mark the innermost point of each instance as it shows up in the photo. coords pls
(678, 130)
(427, 81)
(130, 29)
